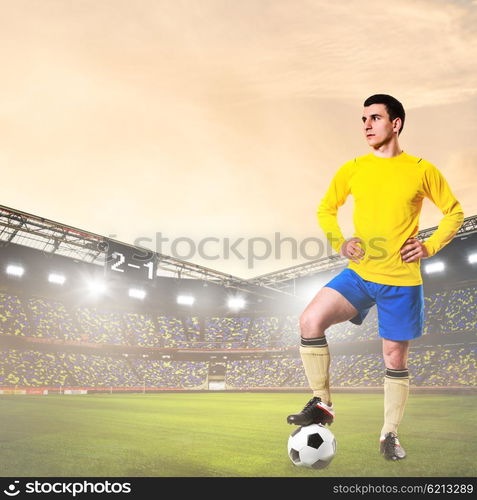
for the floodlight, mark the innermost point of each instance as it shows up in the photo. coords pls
(96, 287)
(236, 303)
(137, 294)
(473, 258)
(15, 270)
(58, 279)
(186, 300)
(435, 267)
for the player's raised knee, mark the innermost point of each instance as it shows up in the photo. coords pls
(312, 324)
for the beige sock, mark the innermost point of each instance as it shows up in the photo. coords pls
(315, 356)
(396, 391)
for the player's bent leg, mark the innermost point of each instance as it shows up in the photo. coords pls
(327, 308)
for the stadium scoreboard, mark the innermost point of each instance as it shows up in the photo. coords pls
(132, 262)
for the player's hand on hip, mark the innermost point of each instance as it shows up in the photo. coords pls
(413, 250)
(351, 249)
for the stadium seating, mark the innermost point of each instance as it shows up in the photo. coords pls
(447, 313)
(35, 369)
(456, 367)
(13, 320)
(171, 373)
(171, 331)
(51, 319)
(141, 331)
(31, 368)
(227, 332)
(100, 326)
(461, 311)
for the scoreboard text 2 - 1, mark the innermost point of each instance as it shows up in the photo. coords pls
(132, 262)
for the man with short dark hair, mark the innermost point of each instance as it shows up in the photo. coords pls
(388, 187)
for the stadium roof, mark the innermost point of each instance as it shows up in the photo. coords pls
(53, 237)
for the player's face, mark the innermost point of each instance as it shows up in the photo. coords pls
(377, 126)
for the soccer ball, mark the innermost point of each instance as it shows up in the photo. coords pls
(312, 446)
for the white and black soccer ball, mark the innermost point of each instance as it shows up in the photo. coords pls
(312, 446)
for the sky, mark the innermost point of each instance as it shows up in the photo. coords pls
(210, 129)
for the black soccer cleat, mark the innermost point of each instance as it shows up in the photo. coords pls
(391, 448)
(314, 412)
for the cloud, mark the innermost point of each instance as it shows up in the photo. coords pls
(221, 116)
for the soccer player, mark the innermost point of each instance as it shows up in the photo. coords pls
(388, 187)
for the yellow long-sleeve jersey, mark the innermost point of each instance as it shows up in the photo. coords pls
(388, 195)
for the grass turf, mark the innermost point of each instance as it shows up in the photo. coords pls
(224, 435)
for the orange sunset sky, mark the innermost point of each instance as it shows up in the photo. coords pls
(224, 119)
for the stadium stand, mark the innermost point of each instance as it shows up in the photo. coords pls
(230, 333)
(59, 335)
(100, 326)
(140, 330)
(450, 314)
(13, 320)
(51, 319)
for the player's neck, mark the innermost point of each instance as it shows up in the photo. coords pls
(387, 150)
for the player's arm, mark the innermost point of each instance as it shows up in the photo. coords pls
(334, 198)
(438, 191)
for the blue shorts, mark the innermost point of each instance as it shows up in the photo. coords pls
(400, 308)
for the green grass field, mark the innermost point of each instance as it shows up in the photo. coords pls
(224, 435)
